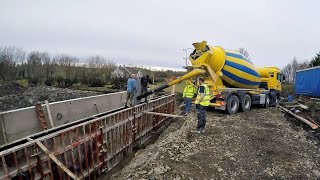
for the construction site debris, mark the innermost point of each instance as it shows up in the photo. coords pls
(30, 96)
(303, 106)
(315, 99)
(11, 88)
(311, 124)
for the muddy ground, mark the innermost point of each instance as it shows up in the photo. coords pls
(260, 144)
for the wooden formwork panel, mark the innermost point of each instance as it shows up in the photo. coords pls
(86, 149)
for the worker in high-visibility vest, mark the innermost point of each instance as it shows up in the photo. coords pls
(202, 101)
(188, 94)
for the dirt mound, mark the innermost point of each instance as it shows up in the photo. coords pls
(260, 144)
(34, 94)
(11, 88)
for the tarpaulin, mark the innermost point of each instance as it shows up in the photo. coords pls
(307, 82)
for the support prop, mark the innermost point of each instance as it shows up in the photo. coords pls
(56, 160)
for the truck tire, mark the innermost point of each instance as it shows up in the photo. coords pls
(267, 103)
(273, 99)
(246, 103)
(233, 104)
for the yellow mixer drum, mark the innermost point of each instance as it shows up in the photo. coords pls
(234, 69)
(238, 71)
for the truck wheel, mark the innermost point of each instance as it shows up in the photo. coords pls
(233, 104)
(266, 105)
(273, 99)
(246, 103)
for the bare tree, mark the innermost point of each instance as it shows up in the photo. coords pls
(287, 71)
(34, 62)
(46, 61)
(244, 52)
(10, 56)
(290, 69)
(304, 64)
(96, 62)
(67, 62)
(294, 66)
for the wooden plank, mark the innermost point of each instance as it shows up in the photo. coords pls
(303, 106)
(55, 160)
(163, 114)
(291, 106)
(315, 99)
(312, 125)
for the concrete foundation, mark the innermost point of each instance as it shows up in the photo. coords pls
(19, 123)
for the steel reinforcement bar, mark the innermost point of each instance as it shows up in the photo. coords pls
(87, 149)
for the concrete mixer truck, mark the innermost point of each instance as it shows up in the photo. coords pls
(234, 82)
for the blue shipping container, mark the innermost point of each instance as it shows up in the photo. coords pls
(307, 82)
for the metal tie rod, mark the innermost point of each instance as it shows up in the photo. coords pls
(163, 114)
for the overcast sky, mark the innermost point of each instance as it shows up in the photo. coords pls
(150, 32)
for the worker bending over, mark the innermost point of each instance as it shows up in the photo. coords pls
(131, 88)
(188, 94)
(145, 80)
(202, 101)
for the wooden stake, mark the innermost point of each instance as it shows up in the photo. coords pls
(173, 89)
(49, 113)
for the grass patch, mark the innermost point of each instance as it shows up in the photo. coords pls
(23, 82)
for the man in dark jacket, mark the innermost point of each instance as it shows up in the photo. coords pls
(145, 80)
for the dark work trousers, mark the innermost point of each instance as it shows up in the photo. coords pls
(188, 104)
(144, 90)
(201, 114)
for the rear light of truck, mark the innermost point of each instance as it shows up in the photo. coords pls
(222, 103)
(219, 96)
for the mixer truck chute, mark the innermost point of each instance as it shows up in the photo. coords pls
(233, 80)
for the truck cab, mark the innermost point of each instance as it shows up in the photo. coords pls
(271, 79)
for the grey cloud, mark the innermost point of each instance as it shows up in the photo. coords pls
(149, 32)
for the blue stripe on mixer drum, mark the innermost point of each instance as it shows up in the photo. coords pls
(242, 68)
(239, 79)
(239, 56)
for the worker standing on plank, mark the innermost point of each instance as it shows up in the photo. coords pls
(202, 101)
(131, 88)
(188, 94)
(145, 80)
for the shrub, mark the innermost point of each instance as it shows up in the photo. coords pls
(60, 81)
(23, 82)
(119, 83)
(95, 82)
(67, 82)
(34, 81)
(49, 81)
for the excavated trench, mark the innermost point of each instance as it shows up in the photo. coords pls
(175, 123)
